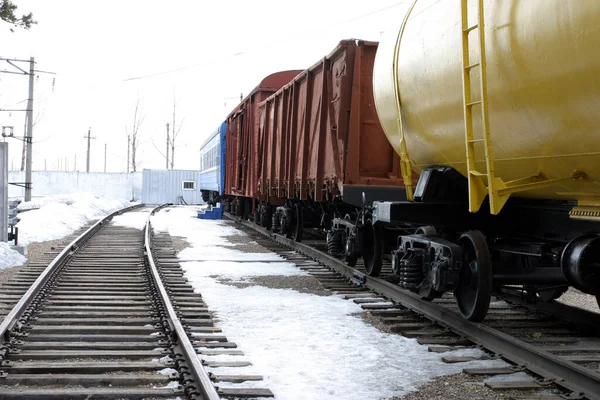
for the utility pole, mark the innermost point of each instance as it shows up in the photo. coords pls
(104, 157)
(167, 167)
(174, 133)
(89, 138)
(75, 163)
(29, 136)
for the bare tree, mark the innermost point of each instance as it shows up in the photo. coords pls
(175, 132)
(134, 137)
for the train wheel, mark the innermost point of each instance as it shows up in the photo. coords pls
(474, 290)
(372, 249)
(426, 230)
(298, 227)
(334, 242)
(275, 222)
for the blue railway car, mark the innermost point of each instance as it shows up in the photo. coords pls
(212, 166)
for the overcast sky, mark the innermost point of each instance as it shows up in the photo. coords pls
(202, 54)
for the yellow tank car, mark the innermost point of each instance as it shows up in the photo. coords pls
(543, 93)
(496, 100)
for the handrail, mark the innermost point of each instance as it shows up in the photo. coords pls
(201, 376)
(13, 316)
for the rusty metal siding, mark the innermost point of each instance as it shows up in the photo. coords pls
(165, 186)
(321, 131)
(366, 133)
(245, 151)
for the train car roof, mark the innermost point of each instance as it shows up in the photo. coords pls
(210, 137)
(271, 82)
(342, 44)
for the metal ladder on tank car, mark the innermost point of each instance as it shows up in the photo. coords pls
(480, 183)
(486, 183)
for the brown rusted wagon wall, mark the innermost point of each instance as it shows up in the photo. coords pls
(241, 160)
(321, 132)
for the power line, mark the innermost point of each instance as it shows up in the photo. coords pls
(261, 47)
(165, 72)
(373, 12)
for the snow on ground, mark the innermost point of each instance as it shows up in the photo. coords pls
(59, 216)
(241, 271)
(516, 377)
(210, 236)
(136, 219)
(54, 217)
(9, 257)
(306, 346)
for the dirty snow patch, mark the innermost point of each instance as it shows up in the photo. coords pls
(167, 371)
(9, 257)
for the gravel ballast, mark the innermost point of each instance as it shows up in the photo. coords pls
(302, 284)
(461, 387)
(574, 297)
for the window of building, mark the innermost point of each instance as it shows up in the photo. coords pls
(189, 185)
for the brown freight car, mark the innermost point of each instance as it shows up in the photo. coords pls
(321, 147)
(305, 146)
(319, 135)
(241, 139)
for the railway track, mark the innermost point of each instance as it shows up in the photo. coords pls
(112, 317)
(556, 345)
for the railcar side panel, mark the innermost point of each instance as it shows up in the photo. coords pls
(243, 145)
(321, 130)
(222, 156)
(210, 165)
(315, 135)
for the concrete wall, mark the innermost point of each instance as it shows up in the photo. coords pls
(105, 185)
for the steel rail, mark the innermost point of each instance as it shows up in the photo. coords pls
(202, 378)
(554, 369)
(15, 314)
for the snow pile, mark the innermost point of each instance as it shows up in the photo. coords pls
(59, 216)
(9, 257)
(305, 346)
